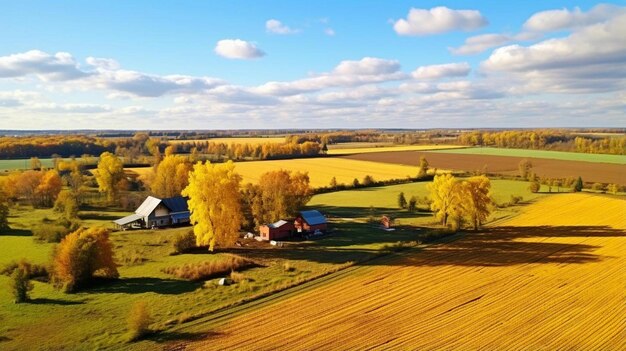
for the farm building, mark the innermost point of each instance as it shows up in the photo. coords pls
(276, 231)
(310, 221)
(154, 212)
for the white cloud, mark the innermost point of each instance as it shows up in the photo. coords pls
(347, 73)
(438, 20)
(480, 43)
(591, 59)
(103, 63)
(460, 69)
(238, 49)
(330, 32)
(277, 27)
(554, 20)
(17, 98)
(58, 67)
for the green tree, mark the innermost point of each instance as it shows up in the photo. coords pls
(534, 186)
(67, 204)
(109, 173)
(578, 185)
(20, 284)
(401, 200)
(4, 212)
(215, 203)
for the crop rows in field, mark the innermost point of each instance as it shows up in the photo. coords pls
(556, 285)
(508, 165)
(554, 155)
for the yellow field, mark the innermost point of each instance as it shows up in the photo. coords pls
(362, 150)
(556, 285)
(322, 170)
(275, 140)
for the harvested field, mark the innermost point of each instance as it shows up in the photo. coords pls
(590, 172)
(551, 278)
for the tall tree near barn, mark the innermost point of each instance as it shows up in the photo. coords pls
(215, 203)
(171, 176)
(110, 172)
(443, 195)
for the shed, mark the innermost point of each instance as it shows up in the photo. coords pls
(155, 212)
(277, 230)
(310, 221)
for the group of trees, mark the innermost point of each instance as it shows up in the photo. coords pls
(47, 145)
(247, 151)
(220, 206)
(39, 188)
(546, 139)
(456, 202)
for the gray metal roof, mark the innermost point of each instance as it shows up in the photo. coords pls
(313, 217)
(127, 220)
(278, 224)
(148, 205)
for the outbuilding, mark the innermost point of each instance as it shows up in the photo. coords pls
(155, 212)
(277, 231)
(310, 221)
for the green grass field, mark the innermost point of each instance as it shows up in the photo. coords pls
(8, 165)
(555, 155)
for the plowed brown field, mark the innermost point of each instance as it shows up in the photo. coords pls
(551, 278)
(590, 172)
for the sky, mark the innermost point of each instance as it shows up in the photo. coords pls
(153, 65)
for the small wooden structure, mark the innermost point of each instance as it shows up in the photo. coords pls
(386, 222)
(276, 231)
(310, 221)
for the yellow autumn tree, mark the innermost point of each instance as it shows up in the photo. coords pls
(49, 188)
(476, 202)
(444, 196)
(171, 176)
(215, 203)
(110, 172)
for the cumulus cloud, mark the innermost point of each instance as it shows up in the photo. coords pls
(347, 73)
(480, 43)
(554, 20)
(277, 27)
(238, 49)
(591, 59)
(58, 67)
(17, 98)
(439, 20)
(460, 69)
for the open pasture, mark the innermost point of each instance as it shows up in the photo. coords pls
(508, 165)
(8, 165)
(551, 278)
(322, 170)
(275, 140)
(553, 155)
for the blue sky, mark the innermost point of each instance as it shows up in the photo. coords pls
(330, 64)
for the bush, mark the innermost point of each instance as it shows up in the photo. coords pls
(138, 321)
(19, 285)
(412, 204)
(516, 199)
(598, 187)
(534, 187)
(50, 233)
(287, 267)
(237, 277)
(81, 256)
(184, 242)
(368, 180)
(206, 270)
(33, 271)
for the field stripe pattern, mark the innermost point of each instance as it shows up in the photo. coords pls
(556, 285)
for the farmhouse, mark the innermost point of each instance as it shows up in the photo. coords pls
(310, 221)
(154, 212)
(277, 231)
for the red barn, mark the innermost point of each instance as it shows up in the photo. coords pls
(310, 221)
(276, 231)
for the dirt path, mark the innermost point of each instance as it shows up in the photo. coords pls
(551, 278)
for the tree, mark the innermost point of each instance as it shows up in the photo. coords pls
(534, 186)
(4, 212)
(444, 196)
(525, 167)
(35, 163)
(80, 256)
(49, 188)
(171, 176)
(324, 148)
(423, 168)
(613, 188)
(356, 183)
(412, 204)
(67, 204)
(475, 200)
(215, 203)
(110, 172)
(578, 185)
(279, 194)
(333, 183)
(368, 180)
(138, 321)
(20, 284)
(401, 200)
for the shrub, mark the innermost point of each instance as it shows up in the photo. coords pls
(614, 188)
(516, 199)
(412, 204)
(184, 242)
(534, 187)
(50, 233)
(237, 277)
(19, 285)
(598, 186)
(138, 321)
(33, 271)
(368, 180)
(287, 267)
(81, 256)
(210, 269)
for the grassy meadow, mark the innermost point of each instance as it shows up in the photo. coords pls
(554, 155)
(9, 165)
(361, 148)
